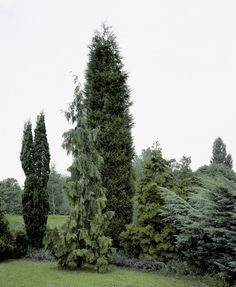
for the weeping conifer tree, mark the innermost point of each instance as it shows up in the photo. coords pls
(82, 240)
(107, 102)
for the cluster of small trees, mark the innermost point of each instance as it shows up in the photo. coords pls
(185, 214)
(177, 212)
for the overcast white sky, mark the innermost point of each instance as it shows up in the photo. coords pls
(181, 57)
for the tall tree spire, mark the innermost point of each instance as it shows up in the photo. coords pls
(107, 102)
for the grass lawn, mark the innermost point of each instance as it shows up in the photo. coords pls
(53, 220)
(26, 273)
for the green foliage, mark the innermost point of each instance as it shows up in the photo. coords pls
(35, 158)
(219, 154)
(21, 244)
(10, 196)
(41, 154)
(151, 237)
(81, 239)
(107, 102)
(58, 202)
(27, 162)
(139, 163)
(206, 223)
(6, 239)
(183, 178)
(229, 161)
(41, 158)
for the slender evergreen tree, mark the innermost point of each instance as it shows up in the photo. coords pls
(82, 240)
(27, 162)
(107, 102)
(35, 159)
(41, 156)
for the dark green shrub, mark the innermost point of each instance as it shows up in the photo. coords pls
(21, 244)
(151, 238)
(206, 222)
(6, 239)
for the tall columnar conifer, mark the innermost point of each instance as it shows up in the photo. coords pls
(27, 162)
(35, 158)
(82, 240)
(107, 102)
(41, 158)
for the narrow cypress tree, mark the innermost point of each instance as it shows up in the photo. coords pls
(41, 158)
(35, 159)
(107, 102)
(27, 162)
(81, 239)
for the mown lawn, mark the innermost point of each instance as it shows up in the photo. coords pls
(53, 220)
(26, 273)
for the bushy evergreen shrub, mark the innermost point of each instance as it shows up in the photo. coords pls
(206, 223)
(6, 239)
(21, 244)
(151, 237)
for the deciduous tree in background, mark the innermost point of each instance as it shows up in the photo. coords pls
(58, 201)
(219, 154)
(10, 196)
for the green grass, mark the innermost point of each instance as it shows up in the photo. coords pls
(23, 273)
(16, 221)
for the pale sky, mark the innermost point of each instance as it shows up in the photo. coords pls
(180, 55)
